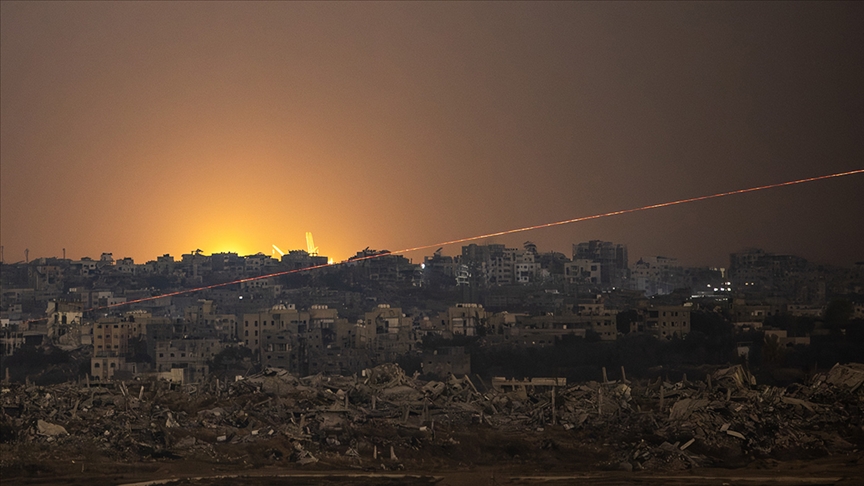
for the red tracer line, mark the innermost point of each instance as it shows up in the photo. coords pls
(501, 233)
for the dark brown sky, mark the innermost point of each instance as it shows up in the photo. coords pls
(144, 128)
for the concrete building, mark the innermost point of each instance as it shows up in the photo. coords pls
(299, 259)
(104, 368)
(611, 257)
(189, 354)
(63, 316)
(204, 321)
(656, 275)
(583, 271)
(279, 317)
(496, 264)
(667, 321)
(110, 337)
(464, 319)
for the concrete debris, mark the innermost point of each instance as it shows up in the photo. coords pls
(850, 375)
(655, 426)
(49, 429)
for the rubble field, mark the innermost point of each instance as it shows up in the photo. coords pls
(386, 427)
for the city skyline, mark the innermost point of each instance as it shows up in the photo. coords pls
(141, 129)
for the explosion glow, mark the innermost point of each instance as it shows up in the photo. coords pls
(499, 233)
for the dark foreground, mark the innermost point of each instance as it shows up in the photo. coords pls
(388, 428)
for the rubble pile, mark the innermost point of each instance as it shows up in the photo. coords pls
(727, 420)
(387, 417)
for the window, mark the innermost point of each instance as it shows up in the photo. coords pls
(95, 365)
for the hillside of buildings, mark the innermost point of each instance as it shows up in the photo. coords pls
(489, 311)
(651, 362)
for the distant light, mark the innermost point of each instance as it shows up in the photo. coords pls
(422, 266)
(241, 297)
(715, 289)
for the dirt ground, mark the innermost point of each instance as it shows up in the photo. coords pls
(476, 456)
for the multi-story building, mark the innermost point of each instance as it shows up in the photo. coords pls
(666, 321)
(656, 275)
(383, 266)
(442, 270)
(204, 321)
(496, 264)
(63, 316)
(126, 265)
(278, 318)
(110, 337)
(189, 354)
(464, 319)
(611, 257)
(754, 271)
(583, 270)
(299, 259)
(104, 368)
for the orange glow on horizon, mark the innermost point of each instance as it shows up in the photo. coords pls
(511, 231)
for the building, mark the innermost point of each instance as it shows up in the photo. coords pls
(204, 321)
(464, 319)
(63, 316)
(280, 317)
(754, 270)
(583, 271)
(611, 258)
(656, 275)
(189, 354)
(105, 368)
(383, 266)
(496, 264)
(667, 321)
(299, 259)
(110, 337)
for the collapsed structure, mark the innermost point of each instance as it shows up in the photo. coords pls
(384, 418)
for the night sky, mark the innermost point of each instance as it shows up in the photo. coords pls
(145, 128)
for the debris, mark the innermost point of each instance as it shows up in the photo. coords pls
(332, 418)
(49, 429)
